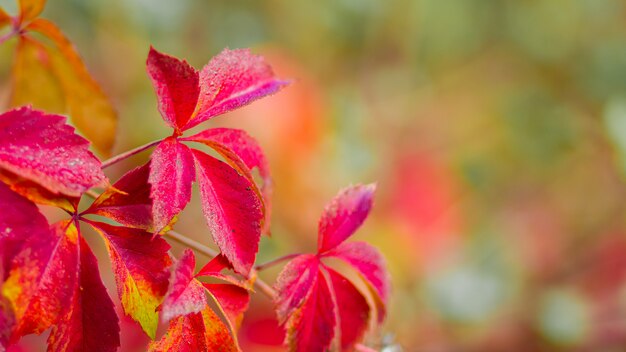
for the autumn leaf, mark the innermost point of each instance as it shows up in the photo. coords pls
(140, 265)
(193, 326)
(5, 19)
(127, 201)
(30, 9)
(236, 209)
(40, 147)
(313, 299)
(88, 322)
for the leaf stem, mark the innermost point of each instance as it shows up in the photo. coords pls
(279, 260)
(128, 154)
(261, 285)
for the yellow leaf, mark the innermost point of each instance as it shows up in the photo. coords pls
(33, 81)
(29, 9)
(88, 107)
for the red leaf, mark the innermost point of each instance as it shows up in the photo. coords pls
(344, 215)
(140, 264)
(127, 201)
(232, 210)
(171, 175)
(42, 148)
(36, 193)
(176, 86)
(185, 295)
(232, 300)
(232, 79)
(353, 310)
(294, 283)
(311, 327)
(370, 264)
(19, 220)
(243, 153)
(89, 322)
(215, 267)
(37, 285)
(7, 321)
(196, 332)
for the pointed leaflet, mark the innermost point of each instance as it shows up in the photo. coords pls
(171, 174)
(89, 322)
(176, 86)
(230, 80)
(343, 215)
(4, 18)
(185, 294)
(36, 193)
(196, 332)
(30, 9)
(311, 327)
(294, 283)
(370, 264)
(42, 148)
(232, 210)
(42, 274)
(140, 264)
(243, 153)
(33, 82)
(19, 220)
(82, 98)
(127, 201)
(352, 308)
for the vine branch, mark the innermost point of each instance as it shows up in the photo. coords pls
(116, 159)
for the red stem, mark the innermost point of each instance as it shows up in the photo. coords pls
(128, 154)
(279, 260)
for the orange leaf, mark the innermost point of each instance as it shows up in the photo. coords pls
(29, 9)
(89, 108)
(4, 18)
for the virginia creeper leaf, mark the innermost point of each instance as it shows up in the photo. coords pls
(127, 201)
(89, 108)
(176, 85)
(29, 9)
(171, 175)
(343, 215)
(140, 264)
(185, 294)
(232, 210)
(7, 320)
(370, 264)
(89, 322)
(294, 283)
(19, 220)
(232, 79)
(196, 332)
(311, 327)
(42, 148)
(5, 19)
(231, 299)
(42, 274)
(36, 193)
(353, 310)
(243, 153)
(215, 267)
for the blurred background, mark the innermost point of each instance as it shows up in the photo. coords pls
(496, 130)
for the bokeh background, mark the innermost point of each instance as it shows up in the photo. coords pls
(496, 130)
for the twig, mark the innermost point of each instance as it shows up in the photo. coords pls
(271, 263)
(128, 154)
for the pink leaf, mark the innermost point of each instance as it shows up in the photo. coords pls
(140, 265)
(127, 201)
(232, 210)
(42, 148)
(230, 80)
(89, 322)
(294, 283)
(176, 86)
(185, 294)
(368, 261)
(231, 299)
(353, 310)
(344, 215)
(171, 175)
(243, 153)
